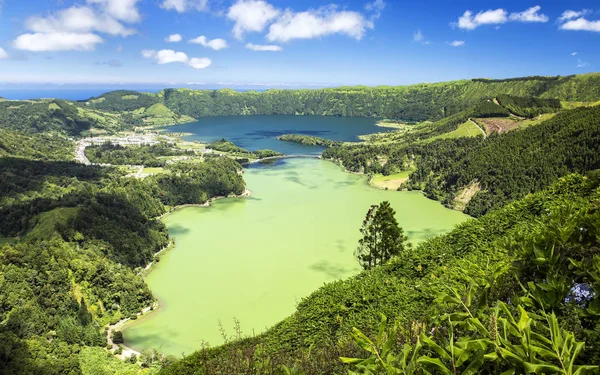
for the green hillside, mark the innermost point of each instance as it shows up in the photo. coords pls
(408, 103)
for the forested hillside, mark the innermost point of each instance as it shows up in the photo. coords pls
(43, 116)
(408, 103)
(459, 277)
(504, 167)
(72, 240)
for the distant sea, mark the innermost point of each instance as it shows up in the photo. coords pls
(57, 93)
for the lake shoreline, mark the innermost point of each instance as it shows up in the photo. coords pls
(127, 350)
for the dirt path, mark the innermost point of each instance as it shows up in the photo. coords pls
(479, 127)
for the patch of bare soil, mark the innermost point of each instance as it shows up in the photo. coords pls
(465, 195)
(498, 125)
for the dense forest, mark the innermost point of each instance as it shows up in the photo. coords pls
(409, 103)
(224, 145)
(43, 116)
(73, 237)
(149, 156)
(506, 167)
(309, 140)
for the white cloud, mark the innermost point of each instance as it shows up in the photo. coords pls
(182, 6)
(123, 10)
(119, 48)
(490, 17)
(77, 20)
(168, 56)
(530, 15)
(574, 54)
(582, 64)
(199, 62)
(173, 38)
(470, 21)
(581, 24)
(3, 54)
(59, 41)
(75, 28)
(216, 44)
(317, 23)
(251, 16)
(264, 47)
(457, 43)
(419, 37)
(570, 14)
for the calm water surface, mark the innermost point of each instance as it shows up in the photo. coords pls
(254, 258)
(259, 132)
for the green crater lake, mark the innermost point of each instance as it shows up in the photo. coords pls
(254, 259)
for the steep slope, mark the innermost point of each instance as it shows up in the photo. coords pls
(407, 103)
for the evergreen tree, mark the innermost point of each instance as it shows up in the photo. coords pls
(382, 237)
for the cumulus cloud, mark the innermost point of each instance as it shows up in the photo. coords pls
(199, 62)
(216, 44)
(471, 21)
(77, 20)
(182, 6)
(123, 10)
(75, 28)
(173, 38)
(457, 43)
(468, 21)
(168, 56)
(574, 54)
(581, 24)
(264, 47)
(317, 23)
(530, 15)
(251, 16)
(570, 14)
(58, 41)
(3, 54)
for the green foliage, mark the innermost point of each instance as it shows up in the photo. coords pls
(529, 107)
(309, 140)
(149, 156)
(41, 146)
(409, 103)
(43, 116)
(95, 361)
(382, 237)
(224, 145)
(507, 166)
(122, 101)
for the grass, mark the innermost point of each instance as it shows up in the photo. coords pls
(536, 121)
(391, 182)
(466, 129)
(571, 105)
(149, 171)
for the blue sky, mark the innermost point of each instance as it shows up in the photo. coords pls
(291, 43)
